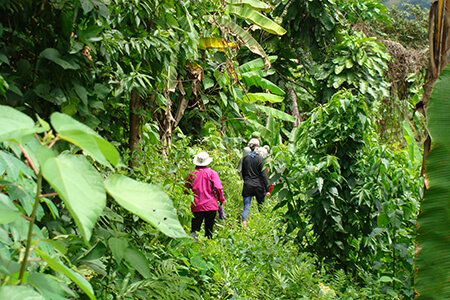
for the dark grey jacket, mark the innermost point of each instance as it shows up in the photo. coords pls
(255, 175)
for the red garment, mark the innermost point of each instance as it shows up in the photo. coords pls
(200, 183)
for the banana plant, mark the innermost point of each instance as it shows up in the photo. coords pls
(251, 12)
(73, 174)
(433, 259)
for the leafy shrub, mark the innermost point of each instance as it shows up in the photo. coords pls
(350, 201)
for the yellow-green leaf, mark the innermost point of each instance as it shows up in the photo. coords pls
(253, 4)
(256, 18)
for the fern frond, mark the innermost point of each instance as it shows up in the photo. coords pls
(340, 280)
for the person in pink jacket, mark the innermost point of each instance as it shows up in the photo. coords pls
(207, 189)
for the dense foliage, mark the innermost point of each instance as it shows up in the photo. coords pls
(103, 105)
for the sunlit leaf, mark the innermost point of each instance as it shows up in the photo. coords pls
(253, 4)
(85, 138)
(16, 126)
(13, 167)
(19, 292)
(8, 212)
(278, 114)
(265, 97)
(80, 186)
(255, 17)
(147, 201)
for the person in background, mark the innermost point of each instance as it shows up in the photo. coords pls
(244, 154)
(254, 175)
(207, 189)
(256, 135)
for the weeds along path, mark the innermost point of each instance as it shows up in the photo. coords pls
(253, 262)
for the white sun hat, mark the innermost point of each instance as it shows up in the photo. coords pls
(202, 159)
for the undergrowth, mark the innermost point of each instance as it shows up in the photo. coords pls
(257, 262)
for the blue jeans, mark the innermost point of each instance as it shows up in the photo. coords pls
(247, 204)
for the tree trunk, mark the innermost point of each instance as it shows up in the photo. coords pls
(295, 112)
(135, 125)
(168, 122)
(439, 35)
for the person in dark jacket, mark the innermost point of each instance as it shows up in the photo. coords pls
(254, 175)
(207, 188)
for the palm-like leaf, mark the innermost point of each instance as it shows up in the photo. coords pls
(433, 261)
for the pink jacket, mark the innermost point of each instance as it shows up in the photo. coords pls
(200, 183)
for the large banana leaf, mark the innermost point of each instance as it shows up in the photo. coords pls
(255, 65)
(433, 260)
(277, 114)
(214, 43)
(245, 37)
(264, 97)
(253, 4)
(256, 18)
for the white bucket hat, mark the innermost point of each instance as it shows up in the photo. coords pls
(202, 159)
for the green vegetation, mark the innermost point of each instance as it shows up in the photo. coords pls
(103, 105)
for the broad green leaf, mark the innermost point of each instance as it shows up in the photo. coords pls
(255, 65)
(171, 79)
(255, 78)
(76, 277)
(8, 212)
(43, 153)
(413, 148)
(80, 186)
(243, 35)
(147, 201)
(207, 83)
(138, 261)
(338, 68)
(19, 292)
(82, 93)
(338, 80)
(254, 97)
(278, 114)
(55, 56)
(433, 260)
(16, 126)
(85, 138)
(118, 247)
(13, 166)
(253, 4)
(90, 32)
(255, 17)
(47, 285)
(56, 245)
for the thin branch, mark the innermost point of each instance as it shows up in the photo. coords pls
(38, 138)
(295, 83)
(30, 229)
(28, 159)
(54, 141)
(26, 217)
(48, 195)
